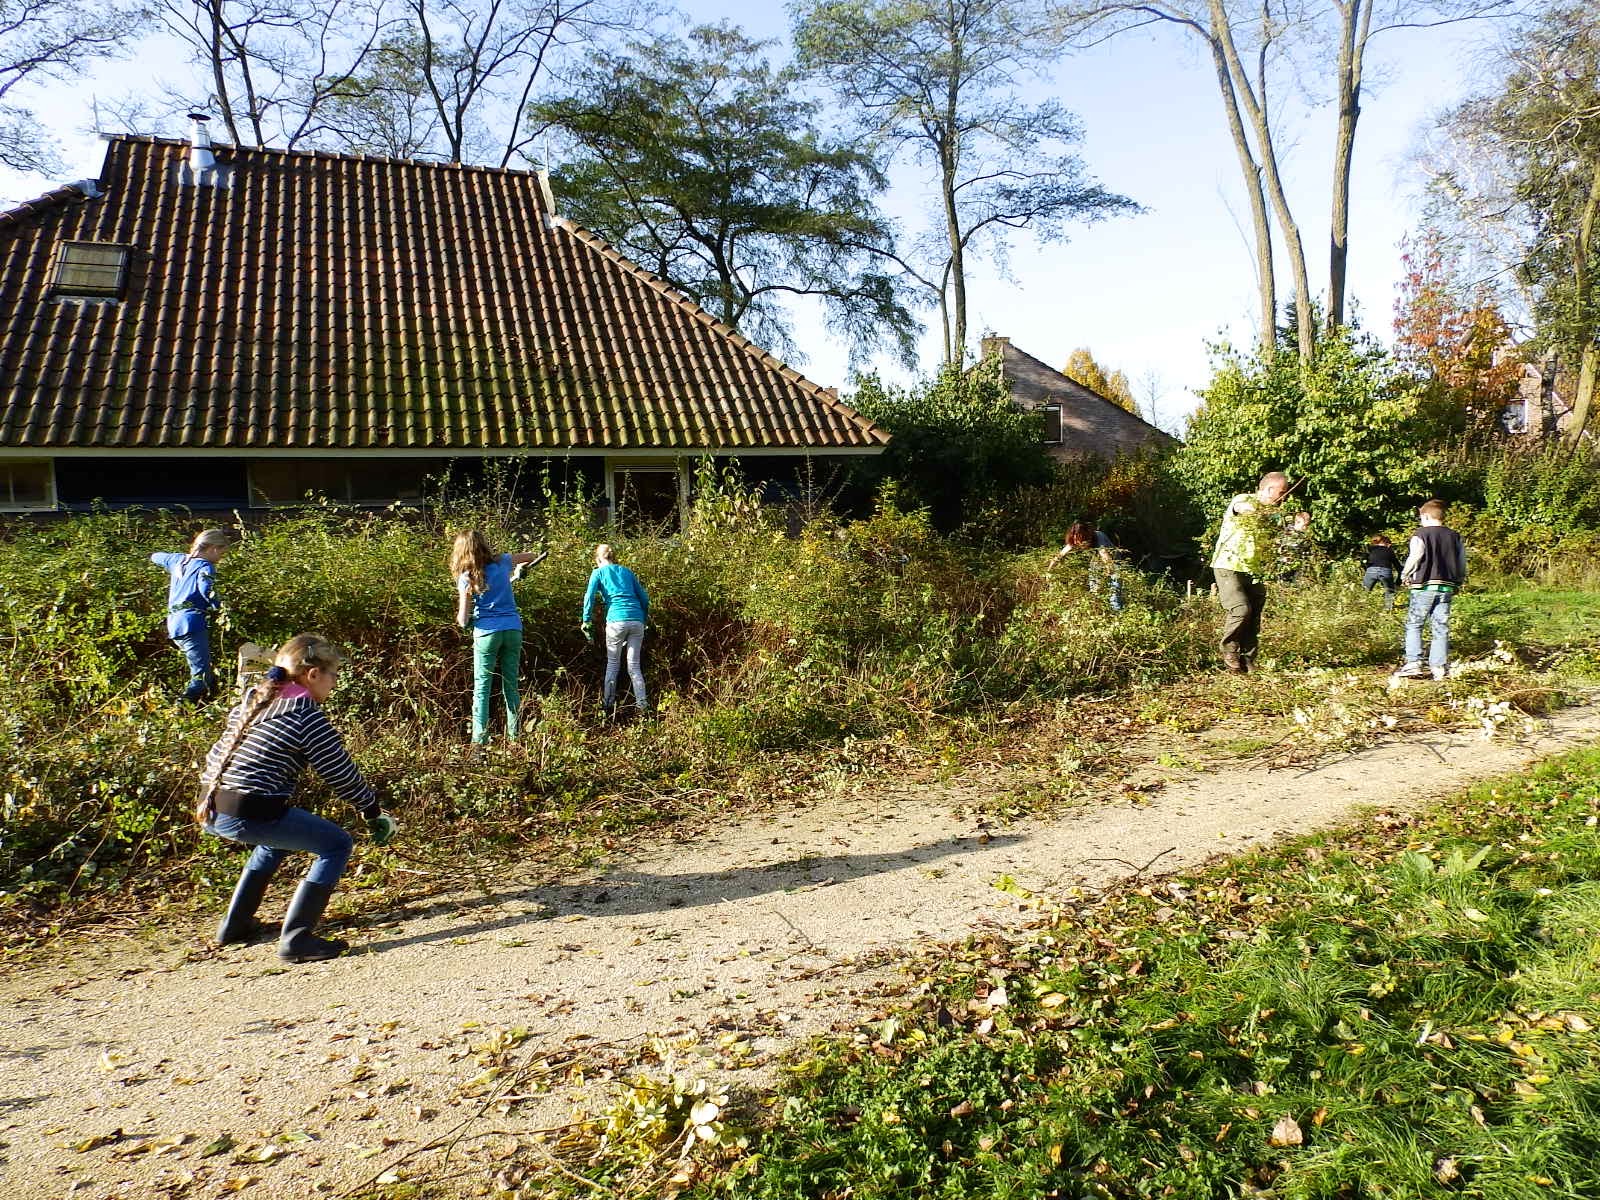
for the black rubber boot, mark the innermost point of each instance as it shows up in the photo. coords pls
(240, 924)
(299, 943)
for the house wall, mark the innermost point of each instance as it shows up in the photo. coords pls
(1090, 424)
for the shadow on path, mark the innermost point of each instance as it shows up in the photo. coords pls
(625, 893)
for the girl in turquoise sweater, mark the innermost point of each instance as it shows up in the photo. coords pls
(627, 608)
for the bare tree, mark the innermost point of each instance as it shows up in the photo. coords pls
(50, 39)
(939, 79)
(271, 67)
(1357, 22)
(479, 63)
(1322, 42)
(1247, 42)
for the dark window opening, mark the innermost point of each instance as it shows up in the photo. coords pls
(26, 484)
(90, 271)
(646, 497)
(1052, 424)
(377, 481)
(150, 482)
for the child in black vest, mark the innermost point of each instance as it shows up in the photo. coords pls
(1436, 567)
(1383, 567)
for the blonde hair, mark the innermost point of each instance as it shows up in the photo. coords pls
(603, 553)
(295, 658)
(208, 538)
(469, 555)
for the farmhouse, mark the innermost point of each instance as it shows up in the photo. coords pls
(1077, 420)
(231, 327)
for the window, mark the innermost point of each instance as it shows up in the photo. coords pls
(646, 497)
(1052, 424)
(27, 483)
(276, 481)
(90, 271)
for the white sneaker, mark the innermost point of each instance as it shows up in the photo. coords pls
(1412, 670)
(1440, 674)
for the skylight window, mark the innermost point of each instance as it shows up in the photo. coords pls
(90, 271)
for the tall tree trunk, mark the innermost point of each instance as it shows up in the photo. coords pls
(956, 323)
(1356, 22)
(1266, 281)
(219, 77)
(1583, 307)
(1222, 30)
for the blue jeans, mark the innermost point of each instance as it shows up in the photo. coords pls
(196, 647)
(1377, 575)
(627, 635)
(297, 829)
(1113, 590)
(1428, 608)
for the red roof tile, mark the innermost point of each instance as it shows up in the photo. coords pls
(326, 301)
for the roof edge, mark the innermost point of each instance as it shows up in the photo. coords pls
(54, 198)
(824, 396)
(337, 155)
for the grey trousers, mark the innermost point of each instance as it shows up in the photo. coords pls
(1243, 597)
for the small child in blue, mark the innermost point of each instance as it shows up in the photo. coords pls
(191, 600)
(627, 608)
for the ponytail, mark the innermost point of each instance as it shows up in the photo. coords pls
(296, 656)
(253, 704)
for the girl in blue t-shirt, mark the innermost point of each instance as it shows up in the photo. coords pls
(191, 601)
(487, 607)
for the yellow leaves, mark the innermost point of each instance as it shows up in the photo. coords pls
(98, 1140)
(1052, 1000)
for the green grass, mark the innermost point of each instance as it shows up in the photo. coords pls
(1404, 1009)
(1518, 612)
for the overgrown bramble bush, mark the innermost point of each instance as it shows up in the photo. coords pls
(762, 644)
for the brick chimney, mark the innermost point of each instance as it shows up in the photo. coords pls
(993, 345)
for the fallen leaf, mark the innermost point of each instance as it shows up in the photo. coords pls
(1286, 1132)
(221, 1146)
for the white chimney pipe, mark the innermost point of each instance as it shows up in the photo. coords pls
(200, 157)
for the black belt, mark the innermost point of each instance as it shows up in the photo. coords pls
(247, 807)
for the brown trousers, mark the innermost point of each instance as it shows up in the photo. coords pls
(1243, 597)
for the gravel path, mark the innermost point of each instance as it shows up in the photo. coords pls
(121, 1068)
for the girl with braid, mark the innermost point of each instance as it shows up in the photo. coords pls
(250, 778)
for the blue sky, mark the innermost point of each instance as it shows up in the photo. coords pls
(1145, 293)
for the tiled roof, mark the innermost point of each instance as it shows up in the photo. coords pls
(326, 301)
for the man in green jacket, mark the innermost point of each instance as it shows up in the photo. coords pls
(1245, 548)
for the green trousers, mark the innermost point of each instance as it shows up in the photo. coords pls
(498, 653)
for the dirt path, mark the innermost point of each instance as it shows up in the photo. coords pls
(116, 1077)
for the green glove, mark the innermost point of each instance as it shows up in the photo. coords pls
(588, 630)
(382, 829)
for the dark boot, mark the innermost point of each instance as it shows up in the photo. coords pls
(240, 924)
(299, 943)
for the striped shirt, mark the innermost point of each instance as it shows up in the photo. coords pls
(292, 733)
